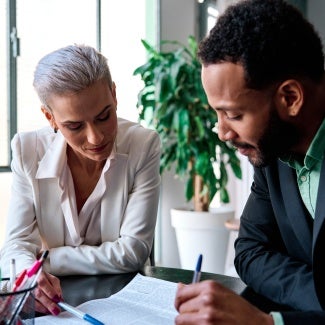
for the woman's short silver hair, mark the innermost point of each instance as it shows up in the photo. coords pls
(69, 70)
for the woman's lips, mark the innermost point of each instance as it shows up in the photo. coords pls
(98, 149)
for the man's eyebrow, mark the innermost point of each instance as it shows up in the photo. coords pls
(225, 108)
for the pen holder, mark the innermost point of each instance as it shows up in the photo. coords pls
(17, 307)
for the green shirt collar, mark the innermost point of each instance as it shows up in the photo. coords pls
(314, 153)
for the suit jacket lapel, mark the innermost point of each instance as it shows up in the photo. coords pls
(294, 207)
(320, 204)
(319, 239)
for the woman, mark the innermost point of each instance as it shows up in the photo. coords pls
(87, 187)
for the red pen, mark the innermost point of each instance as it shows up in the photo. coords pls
(37, 265)
(31, 277)
(22, 281)
(19, 280)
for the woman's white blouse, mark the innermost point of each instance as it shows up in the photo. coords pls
(85, 227)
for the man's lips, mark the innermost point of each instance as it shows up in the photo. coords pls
(245, 151)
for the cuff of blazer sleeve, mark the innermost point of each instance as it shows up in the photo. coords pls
(277, 318)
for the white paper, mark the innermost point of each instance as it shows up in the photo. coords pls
(142, 301)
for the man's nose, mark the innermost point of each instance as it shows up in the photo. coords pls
(225, 132)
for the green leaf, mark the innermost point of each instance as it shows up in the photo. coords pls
(173, 102)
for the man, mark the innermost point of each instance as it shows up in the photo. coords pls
(263, 73)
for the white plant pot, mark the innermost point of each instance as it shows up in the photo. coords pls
(202, 233)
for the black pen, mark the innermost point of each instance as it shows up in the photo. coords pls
(197, 272)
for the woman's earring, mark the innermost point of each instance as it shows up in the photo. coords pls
(55, 130)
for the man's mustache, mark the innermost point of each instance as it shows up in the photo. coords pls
(241, 145)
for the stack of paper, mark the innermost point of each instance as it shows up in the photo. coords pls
(144, 300)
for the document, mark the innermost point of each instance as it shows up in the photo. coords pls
(143, 301)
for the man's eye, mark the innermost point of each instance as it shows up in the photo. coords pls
(234, 117)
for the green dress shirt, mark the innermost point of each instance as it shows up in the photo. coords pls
(308, 174)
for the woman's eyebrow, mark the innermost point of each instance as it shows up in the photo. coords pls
(104, 109)
(101, 112)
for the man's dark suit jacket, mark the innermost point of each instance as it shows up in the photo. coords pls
(280, 249)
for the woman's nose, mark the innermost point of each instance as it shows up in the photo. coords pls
(94, 135)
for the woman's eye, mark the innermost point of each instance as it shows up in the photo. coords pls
(74, 126)
(105, 116)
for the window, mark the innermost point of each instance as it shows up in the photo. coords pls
(4, 131)
(37, 27)
(208, 14)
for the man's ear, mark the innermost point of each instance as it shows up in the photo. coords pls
(289, 98)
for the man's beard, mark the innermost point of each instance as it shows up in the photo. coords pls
(276, 140)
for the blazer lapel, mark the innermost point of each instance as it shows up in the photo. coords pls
(50, 211)
(319, 239)
(294, 207)
(320, 204)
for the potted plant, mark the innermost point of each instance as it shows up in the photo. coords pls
(174, 103)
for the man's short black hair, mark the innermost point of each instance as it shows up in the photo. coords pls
(270, 38)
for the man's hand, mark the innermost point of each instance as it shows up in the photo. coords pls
(208, 302)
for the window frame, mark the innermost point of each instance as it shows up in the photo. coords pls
(13, 51)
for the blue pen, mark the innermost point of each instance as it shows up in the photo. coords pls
(79, 313)
(197, 272)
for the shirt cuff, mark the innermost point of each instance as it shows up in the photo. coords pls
(277, 318)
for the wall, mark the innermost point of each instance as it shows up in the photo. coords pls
(177, 22)
(315, 14)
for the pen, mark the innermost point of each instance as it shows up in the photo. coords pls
(35, 270)
(23, 282)
(27, 280)
(19, 280)
(197, 272)
(37, 264)
(79, 313)
(12, 273)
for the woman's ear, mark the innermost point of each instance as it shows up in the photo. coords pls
(49, 117)
(290, 98)
(113, 90)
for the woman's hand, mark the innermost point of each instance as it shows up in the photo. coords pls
(208, 302)
(47, 293)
